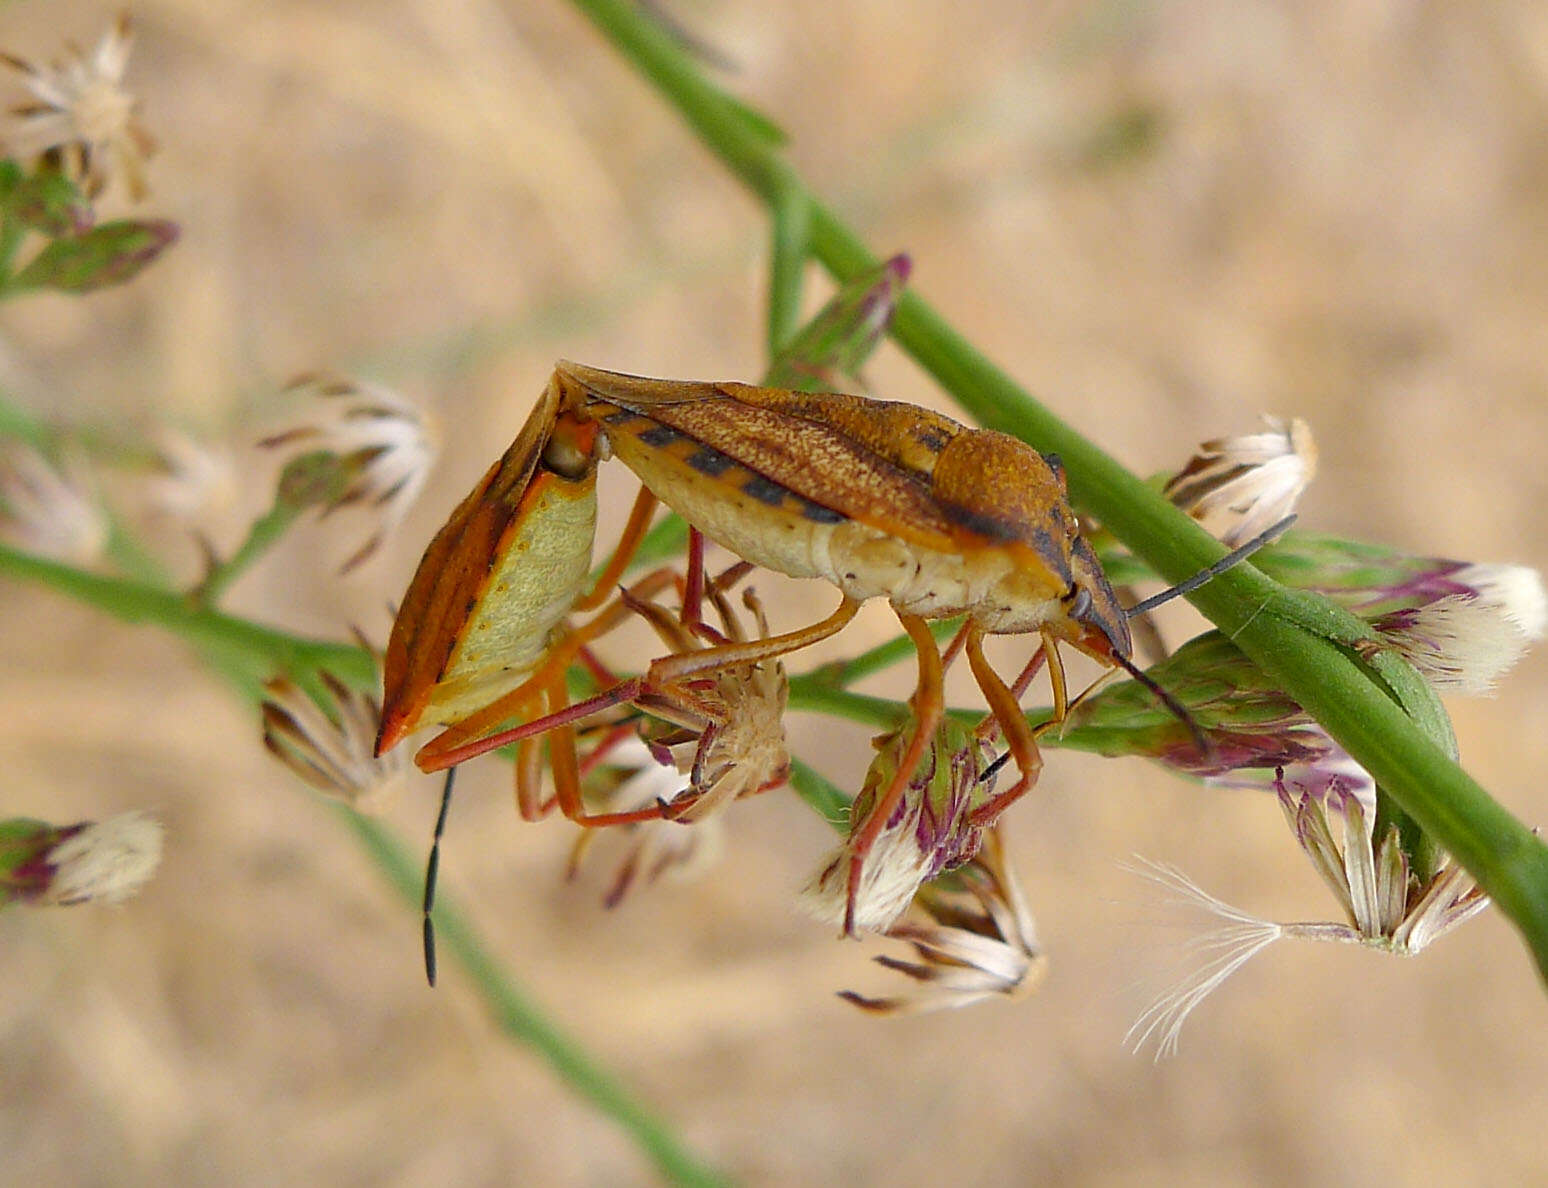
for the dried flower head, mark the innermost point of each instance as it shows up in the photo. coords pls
(652, 849)
(81, 119)
(1385, 906)
(333, 750)
(729, 739)
(1236, 487)
(48, 510)
(932, 830)
(369, 448)
(105, 861)
(973, 939)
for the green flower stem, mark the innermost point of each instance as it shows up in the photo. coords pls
(257, 650)
(520, 1019)
(263, 535)
(814, 694)
(791, 245)
(820, 793)
(1258, 614)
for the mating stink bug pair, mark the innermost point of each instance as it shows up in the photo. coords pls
(880, 499)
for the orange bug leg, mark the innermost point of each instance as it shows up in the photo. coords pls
(730, 697)
(929, 703)
(1005, 709)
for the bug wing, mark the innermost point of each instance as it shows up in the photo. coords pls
(821, 448)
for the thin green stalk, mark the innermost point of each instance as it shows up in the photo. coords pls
(261, 650)
(263, 535)
(789, 248)
(812, 693)
(821, 793)
(1326, 679)
(521, 1019)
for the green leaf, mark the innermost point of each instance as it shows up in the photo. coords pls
(107, 255)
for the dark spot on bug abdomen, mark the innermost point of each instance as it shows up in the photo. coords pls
(710, 461)
(764, 490)
(817, 514)
(659, 436)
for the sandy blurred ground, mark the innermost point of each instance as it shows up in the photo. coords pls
(1334, 210)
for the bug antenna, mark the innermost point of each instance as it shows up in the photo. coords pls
(1233, 557)
(1179, 710)
(432, 869)
(993, 769)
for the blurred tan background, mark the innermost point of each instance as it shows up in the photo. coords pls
(1163, 218)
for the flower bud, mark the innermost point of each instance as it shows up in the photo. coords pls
(106, 861)
(931, 830)
(845, 331)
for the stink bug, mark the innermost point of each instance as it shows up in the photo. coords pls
(881, 499)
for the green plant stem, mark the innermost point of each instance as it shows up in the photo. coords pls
(261, 651)
(520, 1019)
(814, 694)
(1326, 679)
(263, 535)
(820, 793)
(789, 247)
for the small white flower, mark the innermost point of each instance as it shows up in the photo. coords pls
(975, 939)
(1465, 642)
(107, 861)
(1516, 589)
(332, 751)
(381, 442)
(49, 511)
(82, 114)
(1237, 487)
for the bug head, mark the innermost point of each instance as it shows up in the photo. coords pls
(1100, 626)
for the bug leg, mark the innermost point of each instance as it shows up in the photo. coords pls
(671, 670)
(928, 703)
(955, 646)
(1019, 735)
(564, 764)
(566, 715)
(530, 805)
(1034, 666)
(693, 582)
(1061, 693)
(628, 545)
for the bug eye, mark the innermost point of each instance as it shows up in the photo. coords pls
(1080, 605)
